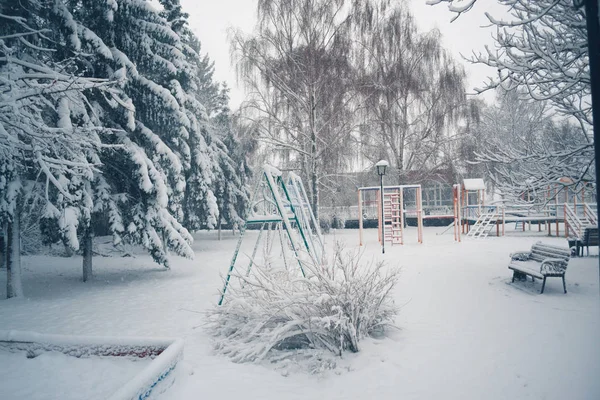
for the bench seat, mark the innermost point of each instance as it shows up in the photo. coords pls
(531, 268)
(541, 262)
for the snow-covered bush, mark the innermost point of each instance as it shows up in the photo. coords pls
(333, 308)
(332, 218)
(338, 221)
(325, 223)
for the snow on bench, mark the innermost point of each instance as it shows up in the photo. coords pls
(154, 379)
(541, 262)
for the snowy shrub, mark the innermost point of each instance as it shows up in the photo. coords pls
(332, 309)
(325, 223)
(338, 222)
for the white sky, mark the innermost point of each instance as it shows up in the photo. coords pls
(210, 20)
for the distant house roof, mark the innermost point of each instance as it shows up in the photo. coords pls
(474, 184)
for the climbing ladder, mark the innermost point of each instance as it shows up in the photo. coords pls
(306, 217)
(275, 207)
(393, 217)
(519, 225)
(484, 224)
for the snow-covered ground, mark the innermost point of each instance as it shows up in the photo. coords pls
(56, 375)
(466, 332)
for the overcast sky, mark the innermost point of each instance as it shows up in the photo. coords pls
(210, 20)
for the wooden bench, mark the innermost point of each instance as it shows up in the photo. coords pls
(590, 238)
(541, 262)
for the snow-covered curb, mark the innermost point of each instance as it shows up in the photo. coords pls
(153, 380)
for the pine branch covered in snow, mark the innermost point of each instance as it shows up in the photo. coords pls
(233, 172)
(332, 309)
(49, 133)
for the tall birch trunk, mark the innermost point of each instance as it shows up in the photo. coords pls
(314, 167)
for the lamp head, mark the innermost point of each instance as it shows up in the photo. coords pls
(381, 167)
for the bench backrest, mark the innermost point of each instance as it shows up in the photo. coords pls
(541, 251)
(590, 236)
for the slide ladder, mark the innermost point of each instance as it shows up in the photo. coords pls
(576, 222)
(483, 225)
(590, 213)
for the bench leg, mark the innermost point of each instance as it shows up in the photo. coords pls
(519, 276)
(543, 285)
(564, 284)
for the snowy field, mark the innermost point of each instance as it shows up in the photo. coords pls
(466, 332)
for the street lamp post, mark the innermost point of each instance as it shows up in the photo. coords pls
(381, 167)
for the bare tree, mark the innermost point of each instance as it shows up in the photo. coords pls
(413, 90)
(525, 151)
(295, 68)
(543, 49)
(542, 52)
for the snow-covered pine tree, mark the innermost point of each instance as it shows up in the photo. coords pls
(197, 92)
(231, 185)
(143, 182)
(47, 138)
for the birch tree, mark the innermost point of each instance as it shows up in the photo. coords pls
(414, 90)
(296, 69)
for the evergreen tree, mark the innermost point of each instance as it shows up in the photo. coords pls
(48, 130)
(199, 93)
(109, 125)
(143, 182)
(233, 169)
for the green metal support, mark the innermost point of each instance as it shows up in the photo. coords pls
(235, 254)
(271, 200)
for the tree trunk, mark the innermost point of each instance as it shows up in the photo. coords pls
(14, 287)
(219, 229)
(314, 182)
(68, 250)
(88, 242)
(165, 243)
(314, 168)
(399, 173)
(3, 236)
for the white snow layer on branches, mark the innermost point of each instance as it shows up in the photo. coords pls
(68, 224)
(61, 11)
(332, 309)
